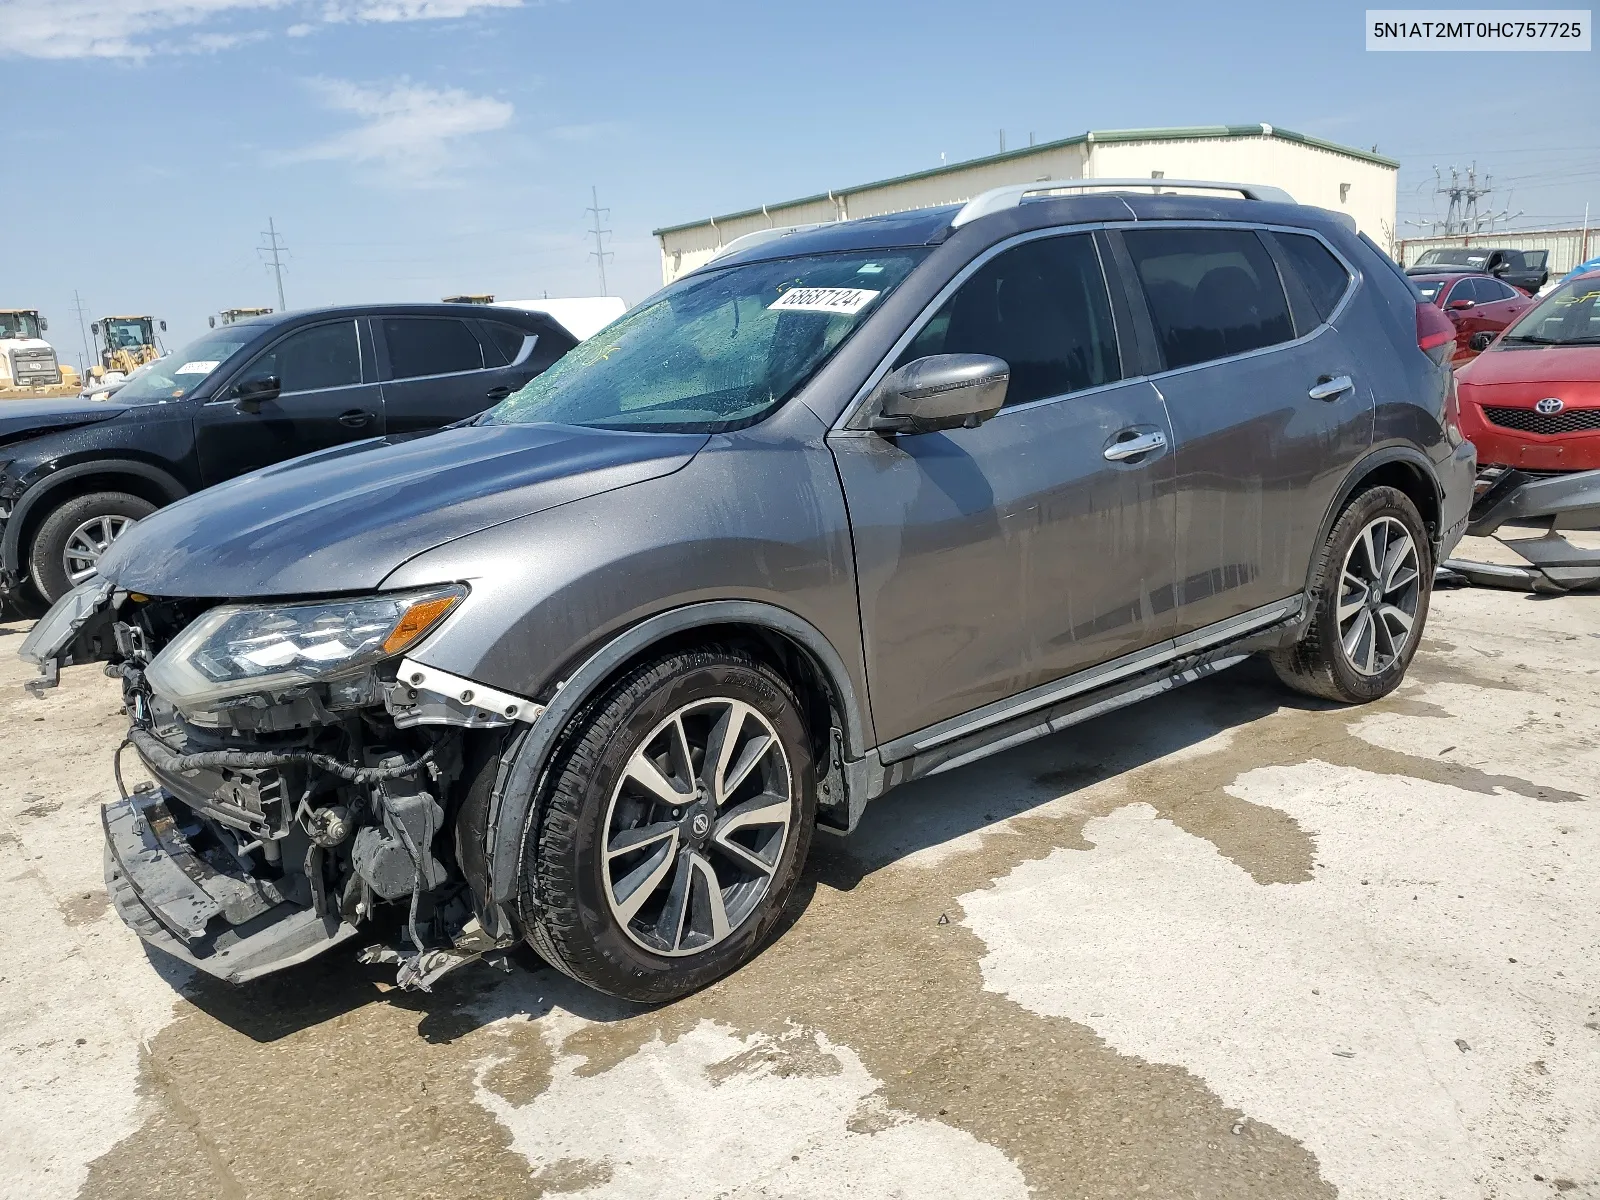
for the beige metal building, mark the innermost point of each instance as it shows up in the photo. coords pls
(1313, 171)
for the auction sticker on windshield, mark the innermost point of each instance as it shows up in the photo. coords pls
(198, 368)
(848, 301)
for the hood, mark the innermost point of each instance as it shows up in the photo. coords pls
(342, 520)
(1533, 365)
(26, 418)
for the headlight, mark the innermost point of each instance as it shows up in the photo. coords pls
(235, 649)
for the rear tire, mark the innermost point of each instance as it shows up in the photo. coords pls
(72, 532)
(661, 861)
(1366, 616)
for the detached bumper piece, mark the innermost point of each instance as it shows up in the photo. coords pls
(224, 922)
(1569, 501)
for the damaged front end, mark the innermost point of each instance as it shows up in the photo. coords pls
(1557, 502)
(306, 772)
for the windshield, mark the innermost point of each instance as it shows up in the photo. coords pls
(1429, 289)
(1570, 315)
(127, 334)
(19, 325)
(1455, 258)
(712, 352)
(176, 375)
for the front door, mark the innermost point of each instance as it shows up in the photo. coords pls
(1269, 408)
(994, 559)
(327, 394)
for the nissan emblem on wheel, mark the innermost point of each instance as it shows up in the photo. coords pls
(844, 507)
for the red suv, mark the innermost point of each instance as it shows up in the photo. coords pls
(1479, 306)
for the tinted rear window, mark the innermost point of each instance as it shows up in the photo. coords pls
(430, 346)
(1323, 275)
(1212, 292)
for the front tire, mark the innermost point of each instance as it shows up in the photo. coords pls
(1373, 583)
(74, 536)
(679, 813)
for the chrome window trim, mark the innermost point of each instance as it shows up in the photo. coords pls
(853, 413)
(1089, 678)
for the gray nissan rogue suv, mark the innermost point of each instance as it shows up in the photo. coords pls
(844, 507)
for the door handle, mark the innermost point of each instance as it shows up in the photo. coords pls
(355, 418)
(1135, 446)
(498, 393)
(1331, 387)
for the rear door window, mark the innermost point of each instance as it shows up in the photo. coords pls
(421, 346)
(1212, 292)
(1043, 308)
(1323, 275)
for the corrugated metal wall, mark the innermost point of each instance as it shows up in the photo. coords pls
(1567, 247)
(1312, 173)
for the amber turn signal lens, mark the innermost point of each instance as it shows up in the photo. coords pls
(418, 619)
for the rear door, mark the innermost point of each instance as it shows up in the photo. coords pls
(1268, 404)
(437, 370)
(994, 559)
(328, 394)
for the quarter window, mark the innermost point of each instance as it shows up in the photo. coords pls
(308, 360)
(501, 343)
(430, 346)
(1212, 292)
(1323, 275)
(1040, 306)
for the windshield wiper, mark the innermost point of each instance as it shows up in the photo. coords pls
(1534, 339)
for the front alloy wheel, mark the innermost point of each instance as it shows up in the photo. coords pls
(697, 826)
(676, 818)
(88, 542)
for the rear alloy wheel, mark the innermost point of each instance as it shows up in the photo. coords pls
(678, 815)
(72, 539)
(1373, 581)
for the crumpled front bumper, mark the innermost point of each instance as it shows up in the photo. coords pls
(225, 923)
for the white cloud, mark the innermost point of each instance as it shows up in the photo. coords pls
(406, 128)
(110, 28)
(57, 29)
(409, 10)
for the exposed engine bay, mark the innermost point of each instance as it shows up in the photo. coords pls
(289, 806)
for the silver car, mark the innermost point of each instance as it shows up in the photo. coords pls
(842, 508)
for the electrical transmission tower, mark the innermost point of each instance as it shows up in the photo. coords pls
(273, 253)
(79, 307)
(1463, 215)
(599, 253)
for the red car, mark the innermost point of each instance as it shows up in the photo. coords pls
(1533, 400)
(1479, 306)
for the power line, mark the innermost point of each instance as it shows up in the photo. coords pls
(275, 259)
(599, 253)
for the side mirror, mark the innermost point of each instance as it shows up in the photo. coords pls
(94, 328)
(44, 324)
(1480, 341)
(212, 322)
(163, 327)
(1460, 305)
(942, 391)
(251, 394)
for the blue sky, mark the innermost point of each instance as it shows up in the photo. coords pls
(410, 148)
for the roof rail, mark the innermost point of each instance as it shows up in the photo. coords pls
(1001, 198)
(745, 241)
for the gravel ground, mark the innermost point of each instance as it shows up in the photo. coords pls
(1225, 944)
